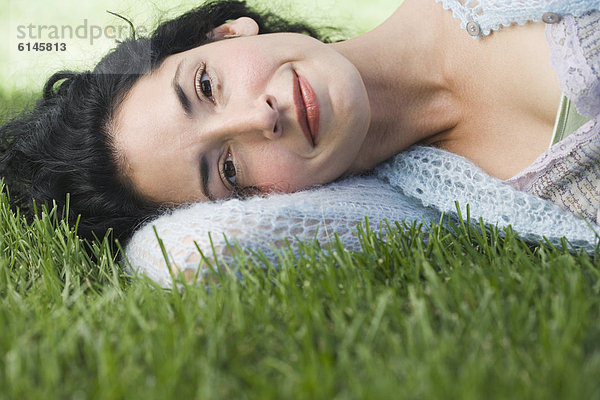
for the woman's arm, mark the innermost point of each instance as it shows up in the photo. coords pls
(265, 224)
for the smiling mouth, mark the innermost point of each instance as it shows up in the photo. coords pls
(307, 108)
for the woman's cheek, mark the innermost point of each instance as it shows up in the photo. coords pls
(281, 174)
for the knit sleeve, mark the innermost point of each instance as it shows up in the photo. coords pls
(203, 234)
(439, 179)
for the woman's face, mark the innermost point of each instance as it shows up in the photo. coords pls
(275, 112)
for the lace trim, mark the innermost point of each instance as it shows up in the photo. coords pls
(577, 79)
(569, 173)
(525, 179)
(495, 14)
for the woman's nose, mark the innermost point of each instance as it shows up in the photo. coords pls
(262, 117)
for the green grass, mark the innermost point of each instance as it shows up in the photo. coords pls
(460, 315)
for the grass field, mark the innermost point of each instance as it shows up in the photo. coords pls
(463, 315)
(458, 316)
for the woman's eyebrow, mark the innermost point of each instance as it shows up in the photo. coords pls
(185, 102)
(204, 176)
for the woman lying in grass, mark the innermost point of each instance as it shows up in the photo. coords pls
(211, 107)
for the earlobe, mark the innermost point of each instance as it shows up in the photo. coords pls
(243, 26)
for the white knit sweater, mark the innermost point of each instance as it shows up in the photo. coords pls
(418, 184)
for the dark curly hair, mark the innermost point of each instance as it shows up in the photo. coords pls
(63, 145)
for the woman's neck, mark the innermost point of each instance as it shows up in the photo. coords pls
(402, 63)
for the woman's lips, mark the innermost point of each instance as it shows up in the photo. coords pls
(307, 108)
(312, 107)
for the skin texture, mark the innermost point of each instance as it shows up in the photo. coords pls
(491, 100)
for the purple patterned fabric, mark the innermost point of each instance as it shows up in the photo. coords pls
(568, 173)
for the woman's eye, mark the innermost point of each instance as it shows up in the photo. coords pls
(203, 84)
(229, 169)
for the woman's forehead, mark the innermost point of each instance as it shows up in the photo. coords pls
(148, 116)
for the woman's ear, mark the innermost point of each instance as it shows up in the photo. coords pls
(243, 26)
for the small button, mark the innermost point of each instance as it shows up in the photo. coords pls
(473, 28)
(550, 18)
